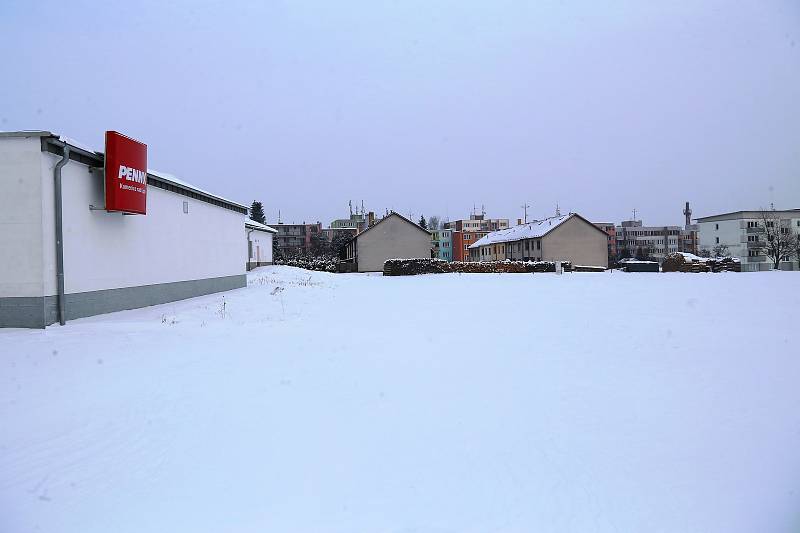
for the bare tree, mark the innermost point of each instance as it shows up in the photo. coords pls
(778, 239)
(795, 248)
(720, 250)
(433, 223)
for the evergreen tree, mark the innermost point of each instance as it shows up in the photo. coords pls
(276, 250)
(338, 243)
(320, 245)
(257, 213)
(422, 222)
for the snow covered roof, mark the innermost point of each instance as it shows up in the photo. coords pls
(165, 176)
(531, 230)
(250, 223)
(161, 176)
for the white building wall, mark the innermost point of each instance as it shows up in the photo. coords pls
(261, 248)
(21, 272)
(392, 238)
(734, 233)
(729, 232)
(111, 250)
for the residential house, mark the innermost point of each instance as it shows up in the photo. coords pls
(259, 243)
(477, 223)
(392, 237)
(567, 237)
(442, 241)
(295, 239)
(462, 241)
(611, 232)
(635, 240)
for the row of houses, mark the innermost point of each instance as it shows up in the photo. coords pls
(569, 237)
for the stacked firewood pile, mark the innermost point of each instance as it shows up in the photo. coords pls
(585, 268)
(411, 267)
(678, 263)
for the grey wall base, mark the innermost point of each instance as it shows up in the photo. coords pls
(42, 311)
(255, 264)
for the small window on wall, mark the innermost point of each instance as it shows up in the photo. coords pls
(185, 206)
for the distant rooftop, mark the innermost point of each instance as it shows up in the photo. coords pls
(757, 213)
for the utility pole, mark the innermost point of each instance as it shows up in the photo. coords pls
(525, 207)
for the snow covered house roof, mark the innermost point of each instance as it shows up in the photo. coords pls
(252, 224)
(531, 230)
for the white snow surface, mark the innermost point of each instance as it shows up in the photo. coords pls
(530, 230)
(345, 403)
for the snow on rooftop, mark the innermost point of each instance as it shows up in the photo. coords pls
(254, 224)
(531, 230)
(78, 144)
(163, 175)
(177, 181)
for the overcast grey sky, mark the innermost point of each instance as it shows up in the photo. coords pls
(428, 106)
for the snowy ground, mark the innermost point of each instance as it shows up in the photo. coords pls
(442, 403)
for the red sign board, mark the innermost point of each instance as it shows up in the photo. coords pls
(126, 174)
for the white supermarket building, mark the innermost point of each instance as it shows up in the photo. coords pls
(54, 204)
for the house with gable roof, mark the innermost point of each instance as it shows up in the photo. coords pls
(392, 237)
(568, 237)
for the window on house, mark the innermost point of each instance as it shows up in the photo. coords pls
(538, 245)
(716, 226)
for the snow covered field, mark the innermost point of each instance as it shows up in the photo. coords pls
(442, 403)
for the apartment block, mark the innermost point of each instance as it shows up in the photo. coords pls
(744, 235)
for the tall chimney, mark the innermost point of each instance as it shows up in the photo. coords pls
(688, 213)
